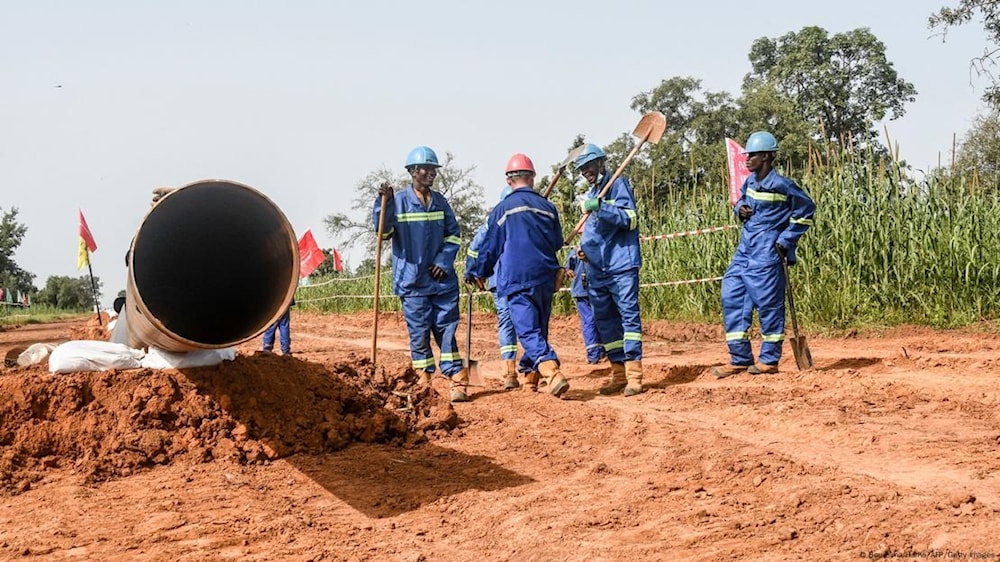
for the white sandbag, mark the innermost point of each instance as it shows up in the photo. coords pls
(160, 359)
(88, 355)
(35, 354)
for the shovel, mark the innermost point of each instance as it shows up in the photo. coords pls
(378, 277)
(649, 129)
(562, 168)
(803, 357)
(471, 366)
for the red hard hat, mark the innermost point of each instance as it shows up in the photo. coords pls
(520, 163)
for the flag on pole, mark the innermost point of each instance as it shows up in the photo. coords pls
(338, 263)
(86, 244)
(310, 256)
(738, 172)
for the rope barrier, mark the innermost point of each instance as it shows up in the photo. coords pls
(688, 233)
(561, 290)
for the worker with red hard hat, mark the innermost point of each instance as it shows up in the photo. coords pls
(523, 238)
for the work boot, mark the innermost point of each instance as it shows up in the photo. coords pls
(425, 378)
(617, 382)
(531, 381)
(459, 384)
(762, 369)
(557, 385)
(633, 373)
(510, 380)
(728, 371)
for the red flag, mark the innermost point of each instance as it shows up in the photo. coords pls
(88, 238)
(738, 172)
(338, 264)
(310, 256)
(86, 244)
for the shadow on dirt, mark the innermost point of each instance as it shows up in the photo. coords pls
(383, 481)
(852, 363)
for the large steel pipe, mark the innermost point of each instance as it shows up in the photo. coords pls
(212, 265)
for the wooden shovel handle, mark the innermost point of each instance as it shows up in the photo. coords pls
(552, 182)
(378, 277)
(579, 226)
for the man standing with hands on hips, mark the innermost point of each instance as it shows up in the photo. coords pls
(425, 239)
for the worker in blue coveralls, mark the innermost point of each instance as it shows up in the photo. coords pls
(283, 326)
(775, 213)
(576, 269)
(610, 245)
(524, 236)
(425, 240)
(506, 336)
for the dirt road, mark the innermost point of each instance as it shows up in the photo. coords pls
(889, 448)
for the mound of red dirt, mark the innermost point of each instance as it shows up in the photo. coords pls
(251, 410)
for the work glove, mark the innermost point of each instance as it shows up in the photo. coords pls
(385, 190)
(745, 212)
(590, 205)
(437, 273)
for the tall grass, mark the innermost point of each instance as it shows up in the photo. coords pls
(883, 251)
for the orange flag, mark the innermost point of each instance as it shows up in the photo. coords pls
(86, 244)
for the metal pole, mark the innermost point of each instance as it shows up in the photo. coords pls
(93, 287)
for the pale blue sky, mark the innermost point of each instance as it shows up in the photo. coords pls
(301, 99)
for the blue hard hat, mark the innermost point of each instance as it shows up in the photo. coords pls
(506, 191)
(590, 152)
(422, 156)
(761, 141)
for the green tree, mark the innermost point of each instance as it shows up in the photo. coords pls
(69, 293)
(456, 184)
(978, 156)
(989, 12)
(11, 235)
(841, 83)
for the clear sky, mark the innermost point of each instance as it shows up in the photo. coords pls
(102, 101)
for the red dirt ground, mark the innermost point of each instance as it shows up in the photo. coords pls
(889, 448)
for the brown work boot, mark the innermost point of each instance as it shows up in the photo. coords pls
(510, 380)
(633, 374)
(459, 385)
(531, 381)
(557, 385)
(425, 378)
(762, 369)
(728, 371)
(617, 382)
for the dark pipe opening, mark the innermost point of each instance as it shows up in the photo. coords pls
(213, 263)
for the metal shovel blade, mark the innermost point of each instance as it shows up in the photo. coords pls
(800, 349)
(475, 379)
(803, 357)
(651, 127)
(572, 156)
(471, 366)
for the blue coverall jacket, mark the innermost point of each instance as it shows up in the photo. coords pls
(610, 241)
(421, 237)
